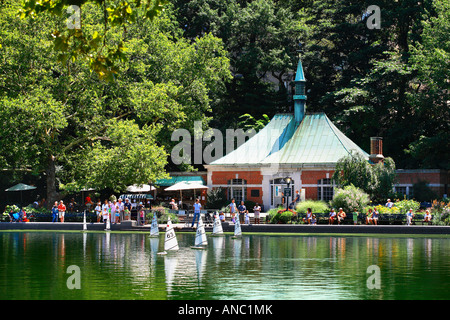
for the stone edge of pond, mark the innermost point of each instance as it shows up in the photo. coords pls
(278, 229)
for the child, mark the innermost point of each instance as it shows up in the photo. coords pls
(98, 210)
(141, 214)
(314, 220)
(117, 214)
(355, 217)
(247, 218)
(126, 212)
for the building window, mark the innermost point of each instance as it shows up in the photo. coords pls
(401, 190)
(237, 189)
(325, 190)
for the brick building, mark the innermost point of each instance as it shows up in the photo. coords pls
(298, 152)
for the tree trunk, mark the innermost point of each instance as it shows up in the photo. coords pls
(52, 194)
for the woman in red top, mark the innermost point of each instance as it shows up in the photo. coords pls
(61, 211)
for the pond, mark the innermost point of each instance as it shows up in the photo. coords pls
(110, 266)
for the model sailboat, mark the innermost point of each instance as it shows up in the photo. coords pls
(200, 236)
(170, 239)
(217, 227)
(154, 230)
(237, 228)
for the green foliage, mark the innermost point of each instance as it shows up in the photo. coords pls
(162, 215)
(422, 192)
(404, 206)
(440, 212)
(279, 215)
(316, 206)
(62, 120)
(249, 122)
(216, 198)
(349, 198)
(376, 180)
(101, 47)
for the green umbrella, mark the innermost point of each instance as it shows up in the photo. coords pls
(21, 187)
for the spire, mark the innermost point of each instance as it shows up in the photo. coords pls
(300, 93)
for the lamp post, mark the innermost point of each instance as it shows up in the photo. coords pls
(288, 193)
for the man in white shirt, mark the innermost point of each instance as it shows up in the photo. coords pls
(121, 208)
(197, 207)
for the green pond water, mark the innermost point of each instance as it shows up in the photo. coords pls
(39, 265)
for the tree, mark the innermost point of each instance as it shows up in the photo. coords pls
(63, 120)
(376, 180)
(73, 40)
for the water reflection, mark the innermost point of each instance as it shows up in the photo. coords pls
(127, 266)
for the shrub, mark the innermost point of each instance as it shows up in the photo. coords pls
(316, 206)
(216, 198)
(280, 215)
(440, 212)
(404, 205)
(350, 198)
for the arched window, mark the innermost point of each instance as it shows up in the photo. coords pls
(237, 189)
(325, 190)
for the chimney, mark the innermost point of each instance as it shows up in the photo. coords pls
(376, 150)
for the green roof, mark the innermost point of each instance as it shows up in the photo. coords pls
(273, 136)
(175, 179)
(315, 141)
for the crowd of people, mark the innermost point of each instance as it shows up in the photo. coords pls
(114, 210)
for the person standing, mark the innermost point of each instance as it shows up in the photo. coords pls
(55, 212)
(121, 209)
(127, 205)
(139, 213)
(257, 212)
(61, 211)
(98, 211)
(105, 210)
(197, 207)
(355, 217)
(113, 211)
(242, 209)
(232, 206)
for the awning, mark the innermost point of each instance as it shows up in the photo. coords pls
(136, 196)
(186, 185)
(176, 179)
(21, 187)
(142, 188)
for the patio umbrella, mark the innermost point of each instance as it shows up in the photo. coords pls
(186, 185)
(142, 188)
(21, 187)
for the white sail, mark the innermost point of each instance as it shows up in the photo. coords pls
(217, 227)
(108, 224)
(84, 221)
(154, 230)
(200, 235)
(170, 242)
(237, 227)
